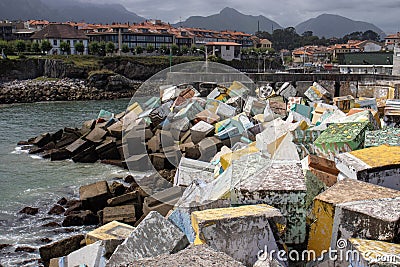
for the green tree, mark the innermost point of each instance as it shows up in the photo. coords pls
(46, 46)
(102, 48)
(185, 49)
(125, 48)
(35, 47)
(371, 35)
(65, 48)
(110, 48)
(94, 48)
(20, 46)
(139, 49)
(193, 49)
(174, 49)
(164, 49)
(150, 49)
(79, 47)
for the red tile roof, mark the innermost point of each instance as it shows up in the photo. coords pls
(59, 31)
(223, 43)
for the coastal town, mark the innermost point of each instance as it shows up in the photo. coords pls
(154, 37)
(226, 148)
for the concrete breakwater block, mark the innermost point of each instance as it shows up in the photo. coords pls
(240, 232)
(94, 196)
(324, 208)
(125, 214)
(95, 254)
(190, 170)
(282, 185)
(111, 230)
(377, 165)
(181, 216)
(372, 253)
(376, 219)
(154, 236)
(199, 256)
(340, 138)
(60, 248)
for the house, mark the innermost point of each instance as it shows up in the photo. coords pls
(370, 46)
(6, 30)
(301, 56)
(391, 40)
(351, 47)
(58, 33)
(367, 62)
(225, 50)
(263, 43)
(148, 33)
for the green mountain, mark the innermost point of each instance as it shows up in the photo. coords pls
(231, 19)
(329, 25)
(72, 10)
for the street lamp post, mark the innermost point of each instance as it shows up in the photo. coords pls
(205, 54)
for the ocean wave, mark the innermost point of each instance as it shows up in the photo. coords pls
(18, 150)
(35, 157)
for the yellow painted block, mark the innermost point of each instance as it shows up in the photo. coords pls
(323, 212)
(379, 156)
(226, 159)
(111, 230)
(372, 250)
(209, 217)
(321, 226)
(135, 107)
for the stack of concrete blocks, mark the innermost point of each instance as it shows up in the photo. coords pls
(377, 165)
(154, 236)
(352, 208)
(280, 184)
(240, 232)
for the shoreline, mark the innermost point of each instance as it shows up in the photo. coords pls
(60, 90)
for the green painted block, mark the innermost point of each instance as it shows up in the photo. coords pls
(341, 137)
(388, 136)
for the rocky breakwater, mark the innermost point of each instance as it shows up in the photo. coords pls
(27, 91)
(247, 178)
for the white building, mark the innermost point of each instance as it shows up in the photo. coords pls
(58, 33)
(225, 50)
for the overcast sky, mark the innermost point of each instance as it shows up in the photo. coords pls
(382, 13)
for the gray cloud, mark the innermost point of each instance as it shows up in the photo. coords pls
(383, 13)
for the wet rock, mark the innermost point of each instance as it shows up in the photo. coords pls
(23, 143)
(25, 249)
(86, 217)
(42, 140)
(29, 211)
(117, 189)
(71, 202)
(129, 179)
(94, 196)
(59, 154)
(2, 246)
(129, 197)
(124, 214)
(56, 210)
(63, 201)
(51, 224)
(77, 206)
(46, 240)
(60, 248)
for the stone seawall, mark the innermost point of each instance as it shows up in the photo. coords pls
(28, 91)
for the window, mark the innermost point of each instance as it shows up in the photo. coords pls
(69, 42)
(228, 47)
(54, 42)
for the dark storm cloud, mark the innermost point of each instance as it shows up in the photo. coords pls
(382, 13)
